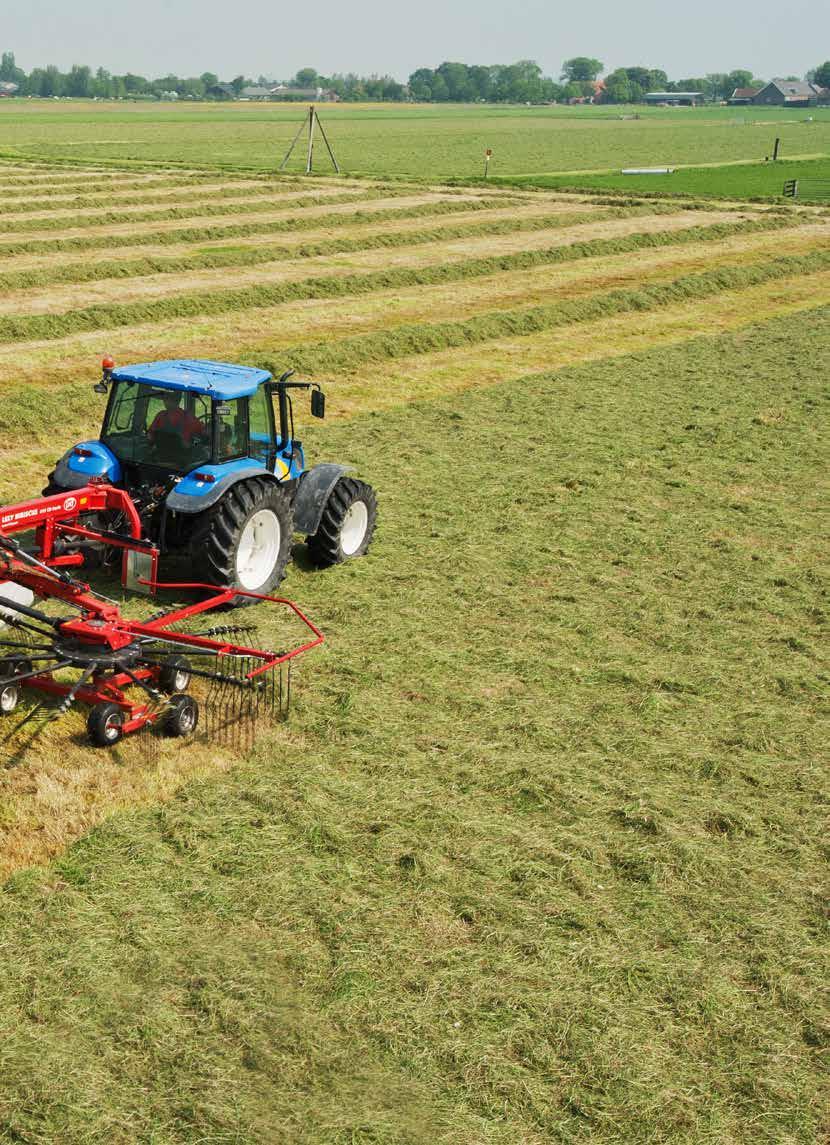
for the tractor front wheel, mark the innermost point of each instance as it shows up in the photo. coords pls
(347, 525)
(244, 541)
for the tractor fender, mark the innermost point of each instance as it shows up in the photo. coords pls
(312, 494)
(193, 496)
(85, 460)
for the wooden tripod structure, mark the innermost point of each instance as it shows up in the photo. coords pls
(311, 121)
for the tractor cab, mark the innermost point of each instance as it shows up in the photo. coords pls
(156, 421)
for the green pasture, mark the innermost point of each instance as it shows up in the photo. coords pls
(540, 855)
(730, 181)
(411, 141)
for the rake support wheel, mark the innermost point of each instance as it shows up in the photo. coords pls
(347, 525)
(105, 724)
(182, 716)
(244, 541)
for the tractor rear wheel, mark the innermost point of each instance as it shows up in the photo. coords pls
(244, 541)
(347, 525)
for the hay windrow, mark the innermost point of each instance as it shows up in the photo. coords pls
(269, 202)
(200, 196)
(17, 412)
(315, 217)
(50, 326)
(86, 271)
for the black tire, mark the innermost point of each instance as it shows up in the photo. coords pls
(15, 668)
(182, 716)
(175, 675)
(217, 533)
(326, 546)
(105, 724)
(9, 698)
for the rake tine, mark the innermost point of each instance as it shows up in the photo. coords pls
(69, 699)
(16, 622)
(31, 715)
(20, 644)
(38, 672)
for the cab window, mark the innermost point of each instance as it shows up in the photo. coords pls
(232, 428)
(261, 427)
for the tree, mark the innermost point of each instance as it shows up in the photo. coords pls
(457, 79)
(306, 77)
(237, 83)
(9, 71)
(618, 87)
(420, 84)
(50, 82)
(581, 68)
(440, 91)
(481, 81)
(740, 77)
(822, 74)
(79, 82)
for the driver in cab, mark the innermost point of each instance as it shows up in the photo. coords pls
(174, 419)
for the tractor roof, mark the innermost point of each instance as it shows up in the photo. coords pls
(218, 380)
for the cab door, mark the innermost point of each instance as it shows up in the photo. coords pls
(261, 436)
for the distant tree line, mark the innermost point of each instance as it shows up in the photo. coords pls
(522, 82)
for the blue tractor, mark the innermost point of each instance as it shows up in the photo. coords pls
(208, 454)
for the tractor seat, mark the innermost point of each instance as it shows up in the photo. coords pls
(168, 447)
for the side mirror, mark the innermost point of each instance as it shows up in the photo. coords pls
(101, 388)
(318, 403)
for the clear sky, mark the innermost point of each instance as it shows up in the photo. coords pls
(187, 37)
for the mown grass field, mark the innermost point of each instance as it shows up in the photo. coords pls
(540, 855)
(413, 141)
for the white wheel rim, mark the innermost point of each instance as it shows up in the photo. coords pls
(8, 699)
(353, 529)
(112, 728)
(259, 548)
(187, 720)
(181, 680)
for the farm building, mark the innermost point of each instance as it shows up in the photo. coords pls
(787, 93)
(221, 91)
(8, 89)
(674, 98)
(282, 91)
(255, 92)
(303, 94)
(742, 96)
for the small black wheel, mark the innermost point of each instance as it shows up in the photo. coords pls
(182, 716)
(9, 698)
(347, 525)
(12, 668)
(105, 724)
(175, 675)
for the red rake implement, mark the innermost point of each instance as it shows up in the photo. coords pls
(157, 674)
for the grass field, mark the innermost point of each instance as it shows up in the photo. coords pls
(729, 181)
(540, 854)
(420, 141)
